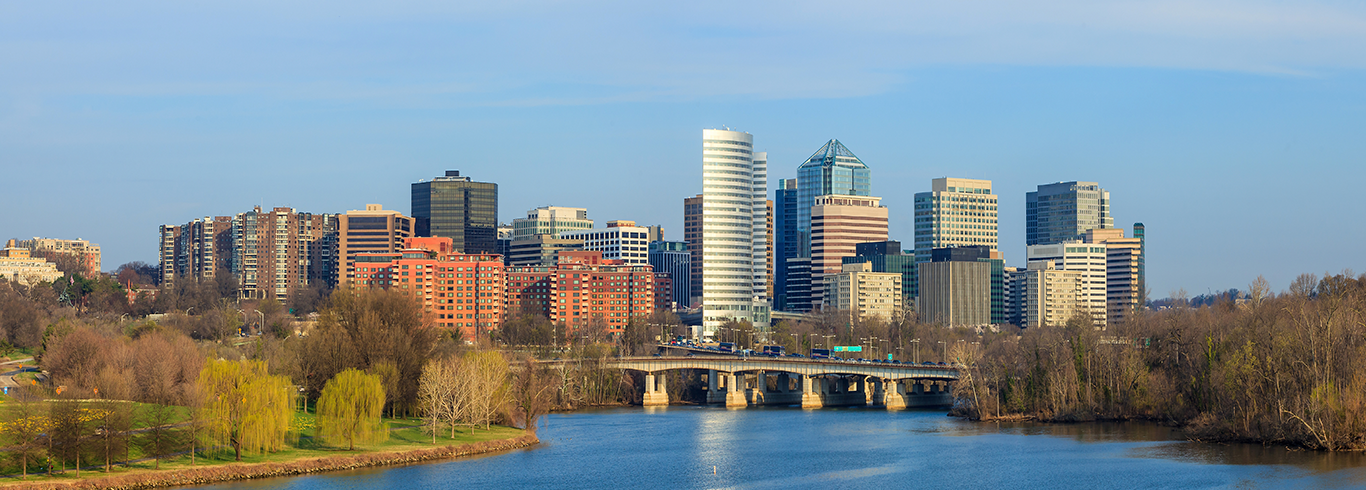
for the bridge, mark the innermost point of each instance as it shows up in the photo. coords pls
(740, 381)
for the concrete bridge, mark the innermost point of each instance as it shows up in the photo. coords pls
(743, 381)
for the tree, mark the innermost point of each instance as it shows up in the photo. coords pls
(111, 420)
(489, 390)
(350, 409)
(244, 406)
(25, 424)
(439, 395)
(533, 393)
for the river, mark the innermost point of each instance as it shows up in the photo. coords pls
(711, 447)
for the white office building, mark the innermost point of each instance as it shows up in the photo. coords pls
(622, 240)
(734, 230)
(1087, 258)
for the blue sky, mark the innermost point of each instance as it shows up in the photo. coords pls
(1232, 129)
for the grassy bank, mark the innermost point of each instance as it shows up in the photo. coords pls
(305, 454)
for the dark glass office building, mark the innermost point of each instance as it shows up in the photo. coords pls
(458, 208)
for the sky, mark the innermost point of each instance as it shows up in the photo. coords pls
(1231, 129)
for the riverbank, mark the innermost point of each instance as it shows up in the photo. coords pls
(199, 475)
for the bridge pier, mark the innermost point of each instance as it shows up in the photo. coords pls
(714, 394)
(735, 392)
(758, 393)
(878, 397)
(656, 394)
(809, 397)
(895, 398)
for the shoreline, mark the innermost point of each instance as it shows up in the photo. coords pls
(250, 471)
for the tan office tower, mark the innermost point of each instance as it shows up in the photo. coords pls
(692, 234)
(1087, 258)
(1051, 295)
(1123, 257)
(955, 213)
(955, 293)
(838, 223)
(864, 293)
(372, 230)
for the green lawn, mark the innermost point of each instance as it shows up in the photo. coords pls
(302, 445)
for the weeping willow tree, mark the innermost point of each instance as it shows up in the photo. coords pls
(350, 408)
(244, 407)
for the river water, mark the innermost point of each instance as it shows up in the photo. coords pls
(711, 447)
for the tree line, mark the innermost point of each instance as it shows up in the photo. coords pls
(1269, 368)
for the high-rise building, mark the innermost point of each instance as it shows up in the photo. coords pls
(887, 256)
(197, 250)
(799, 285)
(862, 292)
(458, 208)
(1015, 283)
(838, 223)
(787, 241)
(542, 250)
(550, 220)
(275, 253)
(734, 239)
(768, 250)
(1052, 296)
(582, 286)
(1089, 260)
(1122, 258)
(832, 170)
(692, 235)
(457, 291)
(955, 213)
(621, 240)
(505, 242)
(1140, 234)
(674, 260)
(654, 233)
(86, 253)
(372, 230)
(1063, 211)
(955, 287)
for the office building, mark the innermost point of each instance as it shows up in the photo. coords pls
(838, 223)
(654, 233)
(692, 235)
(458, 208)
(734, 238)
(787, 240)
(19, 266)
(1140, 234)
(955, 213)
(1015, 282)
(1052, 296)
(887, 256)
(862, 292)
(505, 242)
(550, 220)
(832, 170)
(372, 230)
(87, 254)
(1088, 259)
(799, 298)
(768, 250)
(675, 261)
(1063, 211)
(956, 286)
(1122, 258)
(582, 286)
(621, 240)
(540, 250)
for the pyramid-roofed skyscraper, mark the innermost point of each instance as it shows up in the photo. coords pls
(833, 169)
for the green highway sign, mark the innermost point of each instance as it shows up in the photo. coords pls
(848, 348)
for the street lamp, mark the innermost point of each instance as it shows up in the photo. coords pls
(827, 340)
(946, 350)
(916, 357)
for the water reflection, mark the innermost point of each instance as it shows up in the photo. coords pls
(777, 447)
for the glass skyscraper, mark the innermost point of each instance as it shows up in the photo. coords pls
(458, 208)
(1064, 211)
(787, 242)
(833, 169)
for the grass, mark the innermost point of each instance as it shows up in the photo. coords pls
(301, 446)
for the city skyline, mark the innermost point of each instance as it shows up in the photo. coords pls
(1196, 119)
